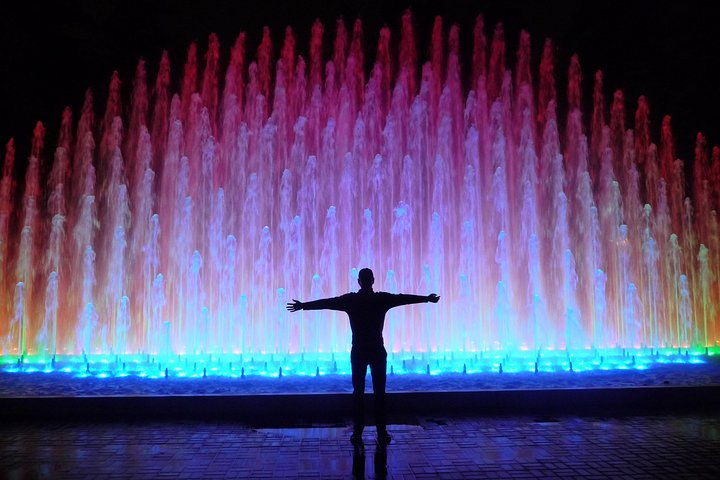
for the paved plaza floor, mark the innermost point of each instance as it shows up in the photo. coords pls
(660, 446)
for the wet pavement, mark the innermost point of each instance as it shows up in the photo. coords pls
(661, 446)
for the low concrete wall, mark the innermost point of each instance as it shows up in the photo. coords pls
(305, 409)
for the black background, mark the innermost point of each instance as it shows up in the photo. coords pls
(50, 52)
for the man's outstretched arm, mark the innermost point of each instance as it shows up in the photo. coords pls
(407, 299)
(333, 303)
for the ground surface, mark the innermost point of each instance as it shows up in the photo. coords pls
(649, 447)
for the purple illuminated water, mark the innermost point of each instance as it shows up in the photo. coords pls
(182, 221)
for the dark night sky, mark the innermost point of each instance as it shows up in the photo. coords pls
(50, 52)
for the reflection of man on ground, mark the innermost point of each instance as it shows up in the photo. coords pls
(379, 461)
(366, 310)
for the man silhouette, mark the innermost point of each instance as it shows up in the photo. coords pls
(366, 310)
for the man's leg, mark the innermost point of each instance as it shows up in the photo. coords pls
(359, 369)
(378, 367)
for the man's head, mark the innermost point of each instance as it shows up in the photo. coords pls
(366, 278)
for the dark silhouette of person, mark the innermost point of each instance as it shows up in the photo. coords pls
(366, 310)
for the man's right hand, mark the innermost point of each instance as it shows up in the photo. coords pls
(295, 306)
(433, 298)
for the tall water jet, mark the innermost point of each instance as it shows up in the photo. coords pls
(122, 325)
(158, 319)
(194, 304)
(47, 335)
(88, 315)
(226, 332)
(6, 208)
(17, 328)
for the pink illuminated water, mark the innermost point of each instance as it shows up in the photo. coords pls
(182, 221)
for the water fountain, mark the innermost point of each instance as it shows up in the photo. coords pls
(174, 227)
